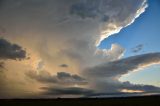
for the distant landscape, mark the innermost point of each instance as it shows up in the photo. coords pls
(124, 101)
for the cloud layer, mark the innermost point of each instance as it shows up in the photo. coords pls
(124, 66)
(61, 78)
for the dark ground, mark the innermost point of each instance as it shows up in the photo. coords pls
(130, 101)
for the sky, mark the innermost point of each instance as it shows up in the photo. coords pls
(79, 48)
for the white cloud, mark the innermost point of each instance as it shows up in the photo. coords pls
(116, 52)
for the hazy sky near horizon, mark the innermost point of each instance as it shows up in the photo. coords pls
(79, 48)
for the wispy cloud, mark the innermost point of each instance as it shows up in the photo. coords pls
(137, 48)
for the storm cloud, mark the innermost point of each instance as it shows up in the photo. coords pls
(11, 51)
(68, 91)
(124, 66)
(114, 14)
(60, 78)
(105, 77)
(64, 34)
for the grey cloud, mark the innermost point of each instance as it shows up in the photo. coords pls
(42, 76)
(63, 65)
(60, 78)
(145, 88)
(46, 27)
(123, 66)
(85, 92)
(113, 86)
(105, 18)
(85, 9)
(104, 77)
(11, 51)
(68, 91)
(67, 76)
(2, 30)
(137, 48)
(105, 10)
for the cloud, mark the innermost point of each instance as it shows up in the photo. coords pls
(124, 66)
(116, 52)
(144, 88)
(61, 31)
(1, 64)
(114, 14)
(2, 30)
(137, 48)
(85, 9)
(125, 89)
(11, 51)
(55, 42)
(68, 91)
(60, 78)
(103, 79)
(63, 65)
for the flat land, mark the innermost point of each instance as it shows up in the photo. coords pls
(124, 101)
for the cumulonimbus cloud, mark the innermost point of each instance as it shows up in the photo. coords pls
(61, 31)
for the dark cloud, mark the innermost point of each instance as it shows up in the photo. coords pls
(123, 66)
(137, 48)
(60, 78)
(65, 76)
(145, 88)
(2, 30)
(85, 92)
(63, 65)
(114, 94)
(85, 10)
(1, 3)
(11, 51)
(42, 76)
(104, 10)
(105, 18)
(68, 91)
